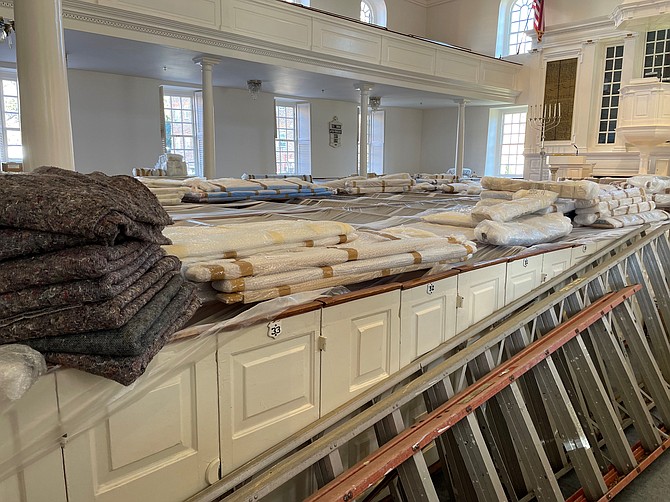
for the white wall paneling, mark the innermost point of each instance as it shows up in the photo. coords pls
(338, 38)
(199, 12)
(523, 275)
(427, 317)
(411, 56)
(269, 387)
(272, 23)
(362, 346)
(482, 291)
(156, 448)
(42, 479)
(582, 252)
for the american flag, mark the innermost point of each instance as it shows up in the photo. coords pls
(538, 8)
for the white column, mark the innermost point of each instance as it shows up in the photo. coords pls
(363, 137)
(42, 73)
(208, 127)
(460, 135)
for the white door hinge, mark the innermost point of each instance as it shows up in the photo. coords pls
(321, 343)
(459, 301)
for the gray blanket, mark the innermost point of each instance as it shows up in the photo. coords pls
(94, 206)
(20, 242)
(77, 292)
(81, 318)
(85, 262)
(124, 370)
(132, 338)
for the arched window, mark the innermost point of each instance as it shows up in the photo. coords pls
(373, 12)
(366, 13)
(301, 2)
(515, 19)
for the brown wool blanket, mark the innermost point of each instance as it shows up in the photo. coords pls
(107, 314)
(94, 206)
(76, 292)
(72, 264)
(124, 370)
(133, 338)
(18, 242)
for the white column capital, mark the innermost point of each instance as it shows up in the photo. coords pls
(363, 86)
(461, 101)
(204, 60)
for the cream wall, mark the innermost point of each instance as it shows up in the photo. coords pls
(403, 128)
(474, 23)
(328, 162)
(244, 133)
(114, 121)
(115, 128)
(406, 17)
(438, 141)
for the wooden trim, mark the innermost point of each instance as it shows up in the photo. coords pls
(357, 295)
(422, 281)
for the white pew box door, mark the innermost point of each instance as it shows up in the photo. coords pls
(427, 315)
(555, 263)
(523, 275)
(583, 251)
(269, 384)
(362, 345)
(159, 447)
(44, 478)
(481, 291)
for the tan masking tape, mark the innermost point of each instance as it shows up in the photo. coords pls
(246, 268)
(327, 272)
(417, 257)
(352, 254)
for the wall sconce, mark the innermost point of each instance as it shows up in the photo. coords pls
(254, 87)
(375, 102)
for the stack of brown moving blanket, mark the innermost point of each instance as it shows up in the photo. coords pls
(83, 278)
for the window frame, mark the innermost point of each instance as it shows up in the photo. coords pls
(6, 74)
(301, 136)
(378, 11)
(503, 44)
(184, 92)
(498, 123)
(376, 138)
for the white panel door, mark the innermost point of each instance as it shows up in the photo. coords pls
(583, 251)
(482, 292)
(523, 275)
(362, 346)
(33, 414)
(269, 387)
(427, 317)
(156, 448)
(555, 263)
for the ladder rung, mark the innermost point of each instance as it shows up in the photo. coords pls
(391, 455)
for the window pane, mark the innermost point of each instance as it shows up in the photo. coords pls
(175, 102)
(14, 137)
(15, 152)
(9, 88)
(12, 120)
(187, 129)
(11, 104)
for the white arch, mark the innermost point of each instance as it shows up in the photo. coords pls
(378, 8)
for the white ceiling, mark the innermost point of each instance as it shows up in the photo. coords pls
(87, 51)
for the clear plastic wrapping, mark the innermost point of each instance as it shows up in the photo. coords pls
(218, 240)
(564, 189)
(20, 367)
(496, 194)
(631, 219)
(651, 183)
(454, 218)
(510, 210)
(526, 231)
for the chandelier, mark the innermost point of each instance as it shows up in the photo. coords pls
(375, 103)
(254, 87)
(7, 30)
